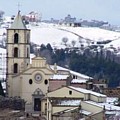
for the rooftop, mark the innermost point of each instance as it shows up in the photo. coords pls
(106, 105)
(79, 81)
(18, 23)
(72, 72)
(87, 91)
(59, 77)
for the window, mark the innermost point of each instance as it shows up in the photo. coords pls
(45, 108)
(15, 68)
(111, 91)
(15, 52)
(70, 92)
(28, 37)
(46, 82)
(16, 38)
(30, 81)
(101, 86)
(73, 76)
(27, 52)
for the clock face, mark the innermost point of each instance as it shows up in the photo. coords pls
(38, 77)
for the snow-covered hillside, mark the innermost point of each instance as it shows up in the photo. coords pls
(53, 34)
(94, 33)
(49, 33)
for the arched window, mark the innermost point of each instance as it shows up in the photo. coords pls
(15, 68)
(27, 52)
(15, 52)
(16, 37)
(28, 38)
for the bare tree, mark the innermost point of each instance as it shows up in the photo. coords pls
(1, 14)
(73, 43)
(80, 40)
(65, 40)
(88, 42)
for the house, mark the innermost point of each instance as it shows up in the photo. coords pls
(59, 80)
(33, 17)
(99, 85)
(69, 21)
(69, 98)
(78, 79)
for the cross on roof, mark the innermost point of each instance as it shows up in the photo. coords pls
(19, 6)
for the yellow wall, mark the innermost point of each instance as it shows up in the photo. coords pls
(29, 89)
(56, 109)
(64, 92)
(90, 107)
(49, 110)
(97, 98)
(94, 98)
(44, 107)
(98, 116)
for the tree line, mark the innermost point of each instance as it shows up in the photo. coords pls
(95, 66)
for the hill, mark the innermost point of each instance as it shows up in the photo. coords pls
(53, 34)
(44, 33)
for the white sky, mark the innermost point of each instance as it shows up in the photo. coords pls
(107, 10)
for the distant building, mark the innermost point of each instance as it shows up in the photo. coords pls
(99, 85)
(93, 23)
(33, 17)
(69, 21)
(1, 15)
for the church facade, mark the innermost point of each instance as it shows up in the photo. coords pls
(28, 81)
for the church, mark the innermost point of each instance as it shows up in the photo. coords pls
(29, 81)
(41, 84)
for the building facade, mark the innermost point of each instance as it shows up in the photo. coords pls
(28, 81)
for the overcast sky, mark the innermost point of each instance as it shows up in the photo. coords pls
(107, 10)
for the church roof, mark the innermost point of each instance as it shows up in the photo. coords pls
(18, 23)
(38, 58)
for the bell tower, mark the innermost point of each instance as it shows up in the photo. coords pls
(18, 51)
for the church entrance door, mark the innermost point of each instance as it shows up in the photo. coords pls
(37, 99)
(37, 104)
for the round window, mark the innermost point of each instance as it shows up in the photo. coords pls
(38, 77)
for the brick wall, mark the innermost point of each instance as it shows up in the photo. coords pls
(112, 92)
(55, 84)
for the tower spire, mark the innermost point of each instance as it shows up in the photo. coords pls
(18, 23)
